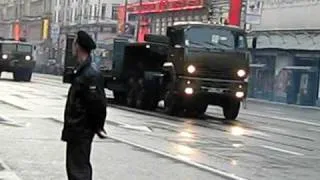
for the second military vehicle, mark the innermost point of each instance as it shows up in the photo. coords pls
(16, 57)
(193, 66)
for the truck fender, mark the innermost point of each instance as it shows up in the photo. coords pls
(170, 72)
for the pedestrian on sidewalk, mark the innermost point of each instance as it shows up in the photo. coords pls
(85, 110)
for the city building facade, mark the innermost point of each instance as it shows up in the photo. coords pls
(286, 63)
(157, 15)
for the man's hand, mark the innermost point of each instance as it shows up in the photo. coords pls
(102, 134)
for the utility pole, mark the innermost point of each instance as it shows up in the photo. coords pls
(139, 19)
(125, 11)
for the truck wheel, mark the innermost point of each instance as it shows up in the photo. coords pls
(201, 109)
(17, 75)
(131, 98)
(119, 97)
(171, 106)
(22, 75)
(231, 110)
(146, 101)
(197, 110)
(27, 74)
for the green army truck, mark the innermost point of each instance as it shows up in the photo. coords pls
(193, 66)
(16, 57)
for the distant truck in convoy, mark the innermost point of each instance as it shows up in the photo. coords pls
(16, 57)
(194, 65)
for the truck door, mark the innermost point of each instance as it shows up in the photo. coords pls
(118, 56)
(70, 61)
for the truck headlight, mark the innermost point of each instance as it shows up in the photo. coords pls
(28, 58)
(4, 56)
(241, 73)
(191, 69)
(188, 90)
(239, 94)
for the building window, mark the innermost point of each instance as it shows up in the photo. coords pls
(103, 11)
(114, 11)
(96, 11)
(113, 30)
(90, 12)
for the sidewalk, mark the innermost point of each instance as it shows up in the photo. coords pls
(252, 100)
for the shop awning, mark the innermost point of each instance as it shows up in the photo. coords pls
(257, 65)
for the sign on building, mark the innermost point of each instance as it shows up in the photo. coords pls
(254, 11)
(55, 32)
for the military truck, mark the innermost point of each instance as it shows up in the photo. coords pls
(194, 65)
(16, 57)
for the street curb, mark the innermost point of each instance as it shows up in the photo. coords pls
(282, 104)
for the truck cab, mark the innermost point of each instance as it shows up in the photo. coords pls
(17, 57)
(210, 65)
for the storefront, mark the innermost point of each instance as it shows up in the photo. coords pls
(157, 15)
(287, 76)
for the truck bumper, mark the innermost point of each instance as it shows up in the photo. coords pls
(12, 65)
(211, 89)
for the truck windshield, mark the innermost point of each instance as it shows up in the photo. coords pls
(24, 48)
(9, 48)
(216, 38)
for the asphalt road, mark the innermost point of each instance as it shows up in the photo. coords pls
(268, 141)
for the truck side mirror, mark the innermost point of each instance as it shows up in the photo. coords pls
(254, 42)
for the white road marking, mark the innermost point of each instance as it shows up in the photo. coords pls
(139, 128)
(183, 160)
(167, 123)
(282, 150)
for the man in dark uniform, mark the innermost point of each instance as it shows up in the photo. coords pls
(85, 110)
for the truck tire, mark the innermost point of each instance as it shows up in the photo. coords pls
(146, 101)
(132, 85)
(201, 109)
(131, 99)
(231, 110)
(171, 104)
(119, 97)
(197, 110)
(22, 75)
(27, 75)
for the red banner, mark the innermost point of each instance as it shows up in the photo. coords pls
(144, 28)
(121, 18)
(235, 12)
(16, 31)
(164, 5)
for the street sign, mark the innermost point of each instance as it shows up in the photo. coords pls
(55, 32)
(254, 11)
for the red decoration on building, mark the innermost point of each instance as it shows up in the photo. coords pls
(164, 5)
(235, 12)
(121, 18)
(16, 31)
(144, 28)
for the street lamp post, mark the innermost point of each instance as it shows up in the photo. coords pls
(139, 20)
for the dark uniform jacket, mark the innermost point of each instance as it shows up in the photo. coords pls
(85, 110)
